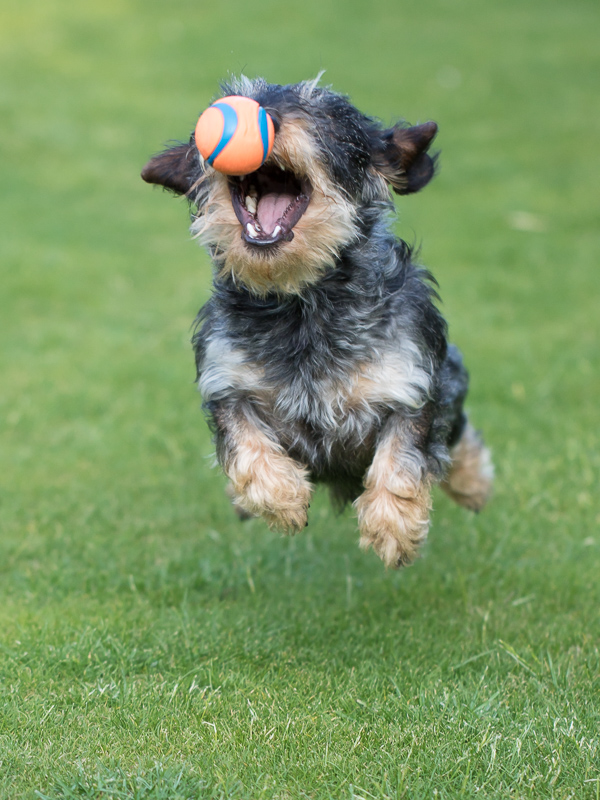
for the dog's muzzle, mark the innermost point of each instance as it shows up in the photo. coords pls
(268, 203)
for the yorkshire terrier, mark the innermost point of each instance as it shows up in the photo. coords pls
(321, 354)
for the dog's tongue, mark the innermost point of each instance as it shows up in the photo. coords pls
(271, 208)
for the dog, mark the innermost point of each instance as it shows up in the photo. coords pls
(321, 355)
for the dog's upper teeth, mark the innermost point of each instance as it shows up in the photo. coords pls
(251, 204)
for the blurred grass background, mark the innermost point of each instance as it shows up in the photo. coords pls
(150, 645)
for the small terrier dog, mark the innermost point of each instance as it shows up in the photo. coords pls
(321, 355)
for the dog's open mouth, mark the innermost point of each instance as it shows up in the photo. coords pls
(268, 203)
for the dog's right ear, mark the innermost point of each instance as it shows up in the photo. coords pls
(177, 168)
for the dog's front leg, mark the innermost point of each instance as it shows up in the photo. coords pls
(393, 511)
(265, 480)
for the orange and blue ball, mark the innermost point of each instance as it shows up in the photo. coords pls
(235, 135)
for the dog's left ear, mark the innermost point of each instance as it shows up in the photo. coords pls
(400, 155)
(177, 169)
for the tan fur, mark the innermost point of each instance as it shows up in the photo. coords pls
(267, 482)
(392, 378)
(393, 512)
(324, 229)
(469, 479)
(397, 376)
(225, 368)
(376, 189)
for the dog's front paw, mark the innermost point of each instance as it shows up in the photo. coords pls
(276, 488)
(394, 520)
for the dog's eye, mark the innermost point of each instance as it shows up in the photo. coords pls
(276, 121)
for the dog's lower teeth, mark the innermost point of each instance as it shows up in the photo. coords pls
(251, 231)
(277, 231)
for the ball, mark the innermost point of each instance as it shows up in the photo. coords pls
(235, 135)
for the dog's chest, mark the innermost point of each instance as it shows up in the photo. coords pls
(338, 401)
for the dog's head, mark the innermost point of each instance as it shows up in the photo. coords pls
(326, 181)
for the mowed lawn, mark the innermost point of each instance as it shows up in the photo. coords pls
(151, 646)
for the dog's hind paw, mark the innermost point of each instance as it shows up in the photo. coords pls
(470, 478)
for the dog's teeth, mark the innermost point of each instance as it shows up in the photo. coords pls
(251, 231)
(251, 204)
(277, 231)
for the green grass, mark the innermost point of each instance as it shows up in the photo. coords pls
(150, 645)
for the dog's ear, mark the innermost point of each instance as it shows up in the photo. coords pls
(400, 155)
(177, 168)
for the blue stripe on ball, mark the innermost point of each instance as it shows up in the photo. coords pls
(264, 131)
(230, 121)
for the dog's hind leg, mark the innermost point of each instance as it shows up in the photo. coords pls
(468, 479)
(470, 476)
